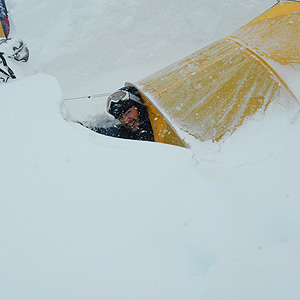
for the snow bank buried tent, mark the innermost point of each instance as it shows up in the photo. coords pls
(211, 92)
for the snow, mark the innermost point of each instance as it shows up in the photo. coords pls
(85, 216)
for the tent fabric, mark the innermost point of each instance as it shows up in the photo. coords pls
(280, 38)
(211, 92)
(4, 23)
(162, 130)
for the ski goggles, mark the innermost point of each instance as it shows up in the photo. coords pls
(121, 96)
(119, 101)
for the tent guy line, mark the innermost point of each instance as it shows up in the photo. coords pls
(88, 97)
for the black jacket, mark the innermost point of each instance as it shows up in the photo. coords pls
(145, 132)
(119, 131)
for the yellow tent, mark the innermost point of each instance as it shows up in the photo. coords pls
(210, 93)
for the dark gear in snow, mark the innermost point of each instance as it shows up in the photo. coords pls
(20, 52)
(11, 49)
(5, 71)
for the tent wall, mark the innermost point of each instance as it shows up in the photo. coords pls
(211, 92)
(275, 34)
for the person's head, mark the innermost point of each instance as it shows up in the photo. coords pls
(130, 119)
(123, 105)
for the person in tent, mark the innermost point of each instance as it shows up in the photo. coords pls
(126, 105)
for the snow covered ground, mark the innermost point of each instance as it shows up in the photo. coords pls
(84, 216)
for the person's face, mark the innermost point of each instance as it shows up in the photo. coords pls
(130, 119)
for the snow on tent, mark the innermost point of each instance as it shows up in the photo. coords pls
(211, 92)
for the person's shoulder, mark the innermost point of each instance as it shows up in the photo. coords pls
(111, 131)
(114, 131)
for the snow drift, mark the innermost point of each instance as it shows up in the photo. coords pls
(84, 216)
